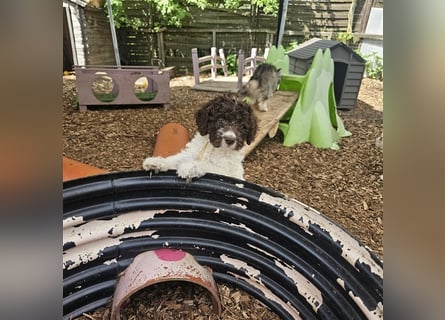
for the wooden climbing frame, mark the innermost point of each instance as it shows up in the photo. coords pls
(216, 62)
(246, 66)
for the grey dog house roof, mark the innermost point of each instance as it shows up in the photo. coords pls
(308, 49)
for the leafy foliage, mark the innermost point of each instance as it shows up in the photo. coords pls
(374, 66)
(291, 46)
(173, 12)
(265, 6)
(168, 13)
(268, 6)
(232, 63)
(345, 37)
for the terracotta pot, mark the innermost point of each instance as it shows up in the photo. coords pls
(162, 265)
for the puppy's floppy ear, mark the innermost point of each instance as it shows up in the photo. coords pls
(202, 117)
(252, 126)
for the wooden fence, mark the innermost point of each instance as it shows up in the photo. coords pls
(238, 30)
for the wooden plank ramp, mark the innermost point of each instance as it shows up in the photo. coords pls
(268, 121)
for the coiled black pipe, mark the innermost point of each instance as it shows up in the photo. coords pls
(289, 256)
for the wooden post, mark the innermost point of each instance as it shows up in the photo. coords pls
(195, 64)
(364, 16)
(161, 47)
(213, 62)
(253, 61)
(266, 53)
(240, 68)
(351, 16)
(223, 62)
(113, 35)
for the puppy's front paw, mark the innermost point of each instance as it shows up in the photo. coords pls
(262, 106)
(155, 164)
(189, 171)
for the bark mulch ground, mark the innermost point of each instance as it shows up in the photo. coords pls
(346, 185)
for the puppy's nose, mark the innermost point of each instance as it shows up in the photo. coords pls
(229, 140)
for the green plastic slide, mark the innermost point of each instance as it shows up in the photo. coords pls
(313, 118)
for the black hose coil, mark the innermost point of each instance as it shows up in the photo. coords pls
(289, 256)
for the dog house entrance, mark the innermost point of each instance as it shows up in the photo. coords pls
(341, 70)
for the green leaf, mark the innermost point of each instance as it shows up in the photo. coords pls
(279, 58)
(291, 82)
(322, 134)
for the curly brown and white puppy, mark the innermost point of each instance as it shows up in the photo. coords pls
(261, 85)
(225, 124)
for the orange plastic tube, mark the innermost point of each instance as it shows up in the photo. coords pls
(171, 139)
(73, 169)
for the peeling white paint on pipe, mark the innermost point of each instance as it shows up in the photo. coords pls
(341, 282)
(304, 287)
(72, 221)
(253, 278)
(109, 262)
(99, 229)
(90, 251)
(376, 314)
(243, 226)
(272, 297)
(243, 199)
(256, 283)
(304, 216)
(91, 238)
(238, 264)
(261, 250)
(239, 205)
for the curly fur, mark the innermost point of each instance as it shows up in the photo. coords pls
(261, 85)
(225, 124)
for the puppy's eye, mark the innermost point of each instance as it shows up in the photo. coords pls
(220, 123)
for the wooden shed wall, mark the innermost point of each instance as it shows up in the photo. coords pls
(99, 45)
(75, 18)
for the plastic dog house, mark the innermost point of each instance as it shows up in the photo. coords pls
(349, 68)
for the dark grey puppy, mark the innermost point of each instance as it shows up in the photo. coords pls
(261, 85)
